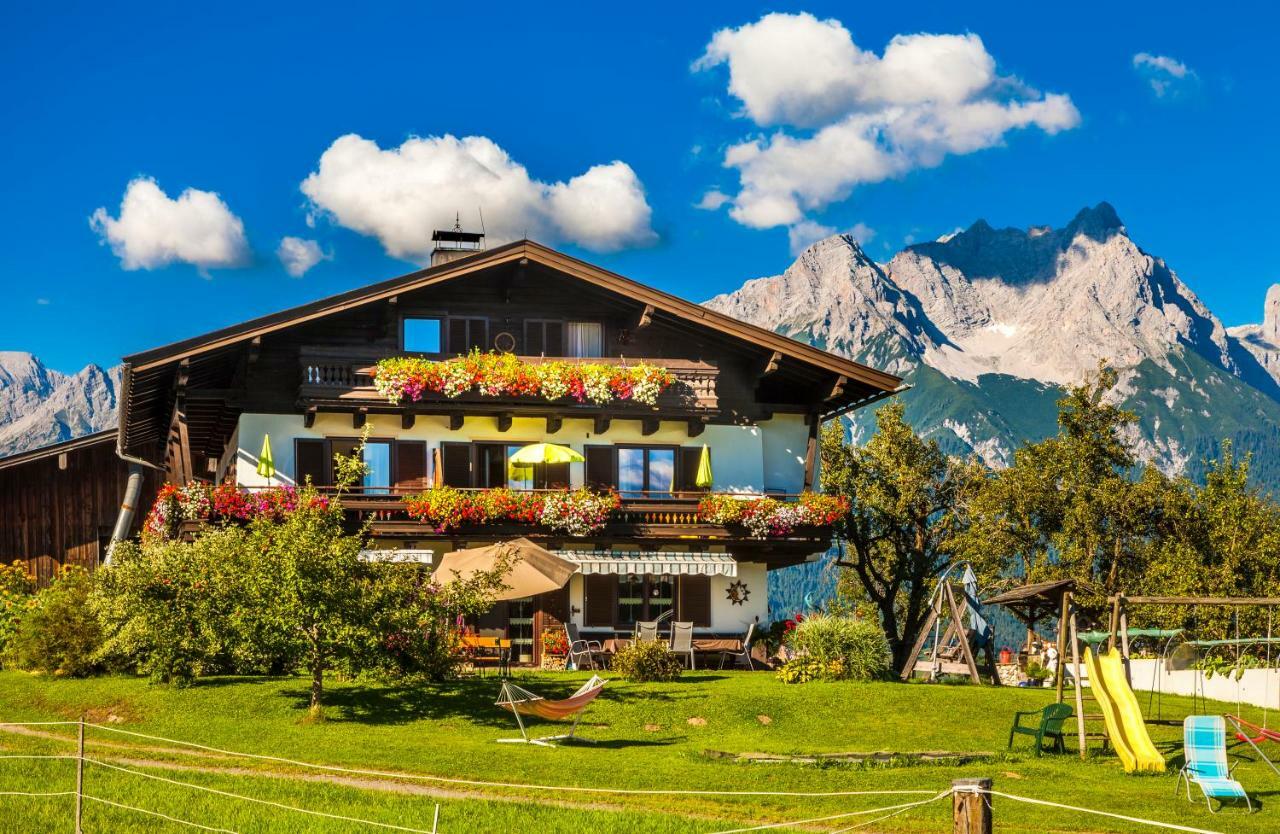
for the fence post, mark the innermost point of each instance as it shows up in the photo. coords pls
(971, 806)
(79, 774)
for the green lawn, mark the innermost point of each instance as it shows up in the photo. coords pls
(645, 742)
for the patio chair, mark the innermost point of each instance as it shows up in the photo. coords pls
(580, 649)
(1049, 726)
(523, 703)
(745, 653)
(646, 631)
(682, 641)
(1204, 746)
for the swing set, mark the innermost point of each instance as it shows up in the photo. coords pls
(1182, 652)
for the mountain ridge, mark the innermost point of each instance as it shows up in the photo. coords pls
(988, 323)
(40, 406)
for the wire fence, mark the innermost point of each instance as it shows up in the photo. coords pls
(878, 814)
(81, 796)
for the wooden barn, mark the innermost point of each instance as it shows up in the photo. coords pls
(60, 503)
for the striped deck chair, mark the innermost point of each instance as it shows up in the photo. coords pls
(524, 703)
(1204, 745)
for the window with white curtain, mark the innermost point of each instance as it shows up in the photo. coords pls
(584, 339)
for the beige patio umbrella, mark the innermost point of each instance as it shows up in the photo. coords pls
(535, 570)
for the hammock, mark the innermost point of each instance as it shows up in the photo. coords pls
(522, 702)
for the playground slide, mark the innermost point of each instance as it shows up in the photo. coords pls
(1125, 727)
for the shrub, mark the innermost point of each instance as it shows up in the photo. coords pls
(649, 661)
(58, 632)
(175, 610)
(838, 648)
(16, 589)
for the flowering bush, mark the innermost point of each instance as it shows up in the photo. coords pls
(836, 648)
(577, 512)
(765, 517)
(221, 503)
(555, 641)
(502, 374)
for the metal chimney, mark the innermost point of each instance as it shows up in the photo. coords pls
(450, 245)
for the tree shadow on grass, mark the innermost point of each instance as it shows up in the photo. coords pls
(236, 680)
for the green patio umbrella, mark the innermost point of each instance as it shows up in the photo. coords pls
(266, 464)
(703, 479)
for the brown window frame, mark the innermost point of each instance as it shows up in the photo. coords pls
(328, 441)
(648, 492)
(459, 350)
(438, 317)
(542, 324)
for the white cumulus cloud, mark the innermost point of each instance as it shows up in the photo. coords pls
(399, 195)
(299, 254)
(1165, 75)
(154, 230)
(843, 116)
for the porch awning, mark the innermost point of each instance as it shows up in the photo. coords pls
(399, 555)
(652, 562)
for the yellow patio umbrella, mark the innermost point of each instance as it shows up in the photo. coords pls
(266, 464)
(703, 478)
(544, 453)
(533, 454)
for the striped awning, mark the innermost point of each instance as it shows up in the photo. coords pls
(399, 555)
(652, 562)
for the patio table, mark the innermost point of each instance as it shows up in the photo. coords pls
(700, 644)
(497, 649)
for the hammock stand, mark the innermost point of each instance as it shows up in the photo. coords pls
(522, 703)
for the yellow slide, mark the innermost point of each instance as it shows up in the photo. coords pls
(1125, 727)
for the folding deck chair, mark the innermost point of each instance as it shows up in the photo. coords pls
(522, 702)
(1204, 745)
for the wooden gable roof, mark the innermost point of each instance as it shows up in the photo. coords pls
(152, 377)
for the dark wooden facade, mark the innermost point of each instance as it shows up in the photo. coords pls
(58, 505)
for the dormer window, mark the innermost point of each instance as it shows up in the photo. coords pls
(584, 339)
(422, 335)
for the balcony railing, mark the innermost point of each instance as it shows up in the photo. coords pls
(348, 378)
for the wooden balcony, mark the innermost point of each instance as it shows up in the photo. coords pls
(344, 381)
(640, 520)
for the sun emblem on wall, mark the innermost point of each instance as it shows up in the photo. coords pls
(737, 592)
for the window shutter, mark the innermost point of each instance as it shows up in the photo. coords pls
(533, 342)
(458, 336)
(600, 467)
(338, 447)
(686, 481)
(308, 462)
(557, 475)
(411, 464)
(695, 600)
(554, 345)
(601, 591)
(456, 461)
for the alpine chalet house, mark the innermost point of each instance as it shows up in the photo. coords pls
(452, 369)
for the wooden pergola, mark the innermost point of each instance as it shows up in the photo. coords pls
(1036, 602)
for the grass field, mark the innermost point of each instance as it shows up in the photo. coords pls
(646, 741)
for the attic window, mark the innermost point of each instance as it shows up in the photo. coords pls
(422, 335)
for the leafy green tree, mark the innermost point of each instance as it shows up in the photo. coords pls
(905, 509)
(58, 633)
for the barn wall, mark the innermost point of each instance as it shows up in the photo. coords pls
(51, 516)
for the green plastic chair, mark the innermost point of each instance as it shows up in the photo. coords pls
(1049, 726)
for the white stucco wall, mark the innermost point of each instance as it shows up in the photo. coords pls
(738, 453)
(784, 441)
(1259, 687)
(726, 618)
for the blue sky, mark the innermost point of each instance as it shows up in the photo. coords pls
(244, 101)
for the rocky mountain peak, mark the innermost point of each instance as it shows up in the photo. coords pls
(40, 406)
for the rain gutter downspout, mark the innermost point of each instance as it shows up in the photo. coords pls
(137, 468)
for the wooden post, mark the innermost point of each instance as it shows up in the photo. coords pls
(1114, 625)
(1075, 670)
(971, 806)
(1061, 672)
(1124, 645)
(80, 775)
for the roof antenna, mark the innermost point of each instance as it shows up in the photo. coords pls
(481, 210)
(457, 221)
